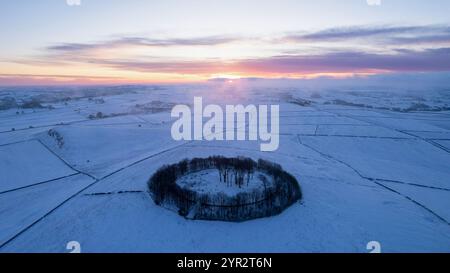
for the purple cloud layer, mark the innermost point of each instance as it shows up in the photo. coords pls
(434, 56)
(143, 41)
(383, 34)
(343, 62)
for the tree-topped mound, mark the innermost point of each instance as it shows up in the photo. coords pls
(226, 189)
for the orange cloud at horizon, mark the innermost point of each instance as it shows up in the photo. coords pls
(341, 52)
(147, 73)
(103, 70)
(39, 79)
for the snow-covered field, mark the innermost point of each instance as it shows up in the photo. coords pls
(373, 166)
(208, 181)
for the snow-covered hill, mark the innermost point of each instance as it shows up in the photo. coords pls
(368, 173)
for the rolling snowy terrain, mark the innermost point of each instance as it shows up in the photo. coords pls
(373, 166)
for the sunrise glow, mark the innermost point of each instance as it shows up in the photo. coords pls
(97, 43)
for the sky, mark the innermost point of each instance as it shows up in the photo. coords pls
(150, 41)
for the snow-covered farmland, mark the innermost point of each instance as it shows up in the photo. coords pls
(29, 162)
(372, 167)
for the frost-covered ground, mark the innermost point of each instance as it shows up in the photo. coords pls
(209, 182)
(373, 166)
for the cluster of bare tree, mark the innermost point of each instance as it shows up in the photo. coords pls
(277, 194)
(234, 171)
(57, 136)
